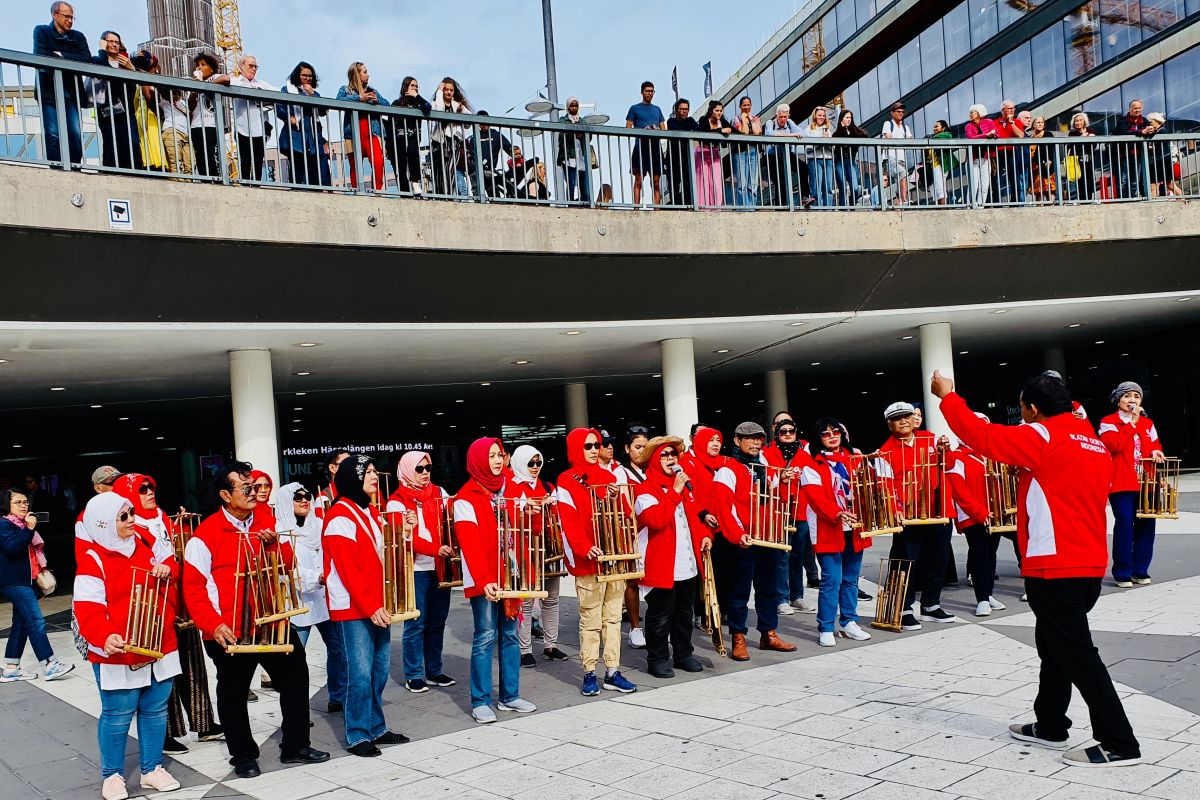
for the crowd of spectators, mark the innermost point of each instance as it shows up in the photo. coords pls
(144, 127)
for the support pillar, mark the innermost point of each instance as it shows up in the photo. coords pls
(775, 381)
(679, 386)
(577, 406)
(255, 438)
(1054, 358)
(937, 353)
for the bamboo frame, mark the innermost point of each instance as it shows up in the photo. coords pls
(555, 564)
(894, 575)
(712, 609)
(399, 584)
(772, 515)
(453, 565)
(1000, 483)
(614, 531)
(520, 550)
(185, 527)
(146, 620)
(921, 489)
(873, 496)
(1158, 488)
(265, 586)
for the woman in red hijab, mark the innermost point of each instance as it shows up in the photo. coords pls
(264, 516)
(475, 528)
(701, 462)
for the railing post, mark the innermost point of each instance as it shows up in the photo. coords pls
(879, 177)
(585, 190)
(786, 147)
(481, 193)
(222, 149)
(1146, 169)
(694, 174)
(64, 134)
(1058, 176)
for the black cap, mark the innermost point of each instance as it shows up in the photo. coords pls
(897, 105)
(606, 438)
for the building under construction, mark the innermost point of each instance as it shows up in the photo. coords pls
(179, 29)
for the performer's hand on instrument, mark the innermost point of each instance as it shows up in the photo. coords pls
(115, 643)
(594, 553)
(160, 571)
(941, 386)
(943, 441)
(1158, 457)
(381, 617)
(847, 517)
(706, 544)
(268, 537)
(410, 520)
(223, 635)
(492, 591)
(744, 542)
(445, 551)
(788, 475)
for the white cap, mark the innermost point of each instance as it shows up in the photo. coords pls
(898, 410)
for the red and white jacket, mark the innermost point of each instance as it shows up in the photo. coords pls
(212, 556)
(478, 537)
(903, 460)
(731, 489)
(1062, 492)
(774, 457)
(826, 485)
(669, 532)
(352, 550)
(427, 536)
(576, 494)
(700, 470)
(966, 473)
(1128, 442)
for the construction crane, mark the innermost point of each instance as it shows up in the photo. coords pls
(228, 29)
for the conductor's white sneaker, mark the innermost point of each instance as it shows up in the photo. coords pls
(827, 639)
(984, 609)
(996, 604)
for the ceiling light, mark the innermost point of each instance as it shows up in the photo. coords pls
(747, 383)
(1099, 341)
(1075, 325)
(97, 405)
(17, 446)
(718, 411)
(520, 363)
(571, 333)
(963, 352)
(309, 344)
(296, 420)
(653, 409)
(453, 426)
(1125, 355)
(815, 364)
(1183, 300)
(295, 430)
(905, 338)
(485, 383)
(5, 361)
(1003, 364)
(297, 408)
(813, 389)
(122, 419)
(143, 429)
(460, 401)
(723, 351)
(608, 394)
(303, 374)
(543, 416)
(1000, 311)
(1092, 367)
(762, 401)
(58, 388)
(424, 423)
(878, 373)
(439, 413)
(160, 438)
(796, 324)
(301, 394)
(863, 392)
(656, 375)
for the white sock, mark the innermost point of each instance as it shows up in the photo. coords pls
(608, 672)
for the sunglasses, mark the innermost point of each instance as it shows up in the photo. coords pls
(638, 429)
(592, 446)
(421, 469)
(669, 453)
(830, 434)
(786, 431)
(125, 516)
(535, 462)
(302, 496)
(145, 489)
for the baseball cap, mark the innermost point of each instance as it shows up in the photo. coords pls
(606, 438)
(896, 105)
(105, 475)
(749, 429)
(898, 410)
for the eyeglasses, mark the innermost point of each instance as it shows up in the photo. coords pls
(145, 489)
(830, 434)
(535, 462)
(669, 453)
(125, 516)
(258, 487)
(302, 496)
(592, 446)
(64, 16)
(247, 490)
(15, 502)
(421, 469)
(786, 431)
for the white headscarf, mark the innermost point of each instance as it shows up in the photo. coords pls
(309, 530)
(520, 464)
(575, 117)
(100, 522)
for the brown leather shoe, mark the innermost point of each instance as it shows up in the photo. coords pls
(738, 653)
(771, 641)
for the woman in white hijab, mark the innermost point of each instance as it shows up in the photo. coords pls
(294, 512)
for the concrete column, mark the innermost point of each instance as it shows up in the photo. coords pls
(679, 386)
(253, 393)
(937, 353)
(577, 409)
(1054, 358)
(775, 381)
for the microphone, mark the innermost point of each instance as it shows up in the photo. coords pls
(677, 470)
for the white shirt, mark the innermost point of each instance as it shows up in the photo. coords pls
(685, 558)
(173, 113)
(248, 114)
(894, 131)
(309, 568)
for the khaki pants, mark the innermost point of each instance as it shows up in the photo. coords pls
(178, 150)
(600, 606)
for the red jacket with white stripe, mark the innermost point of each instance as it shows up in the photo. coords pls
(1128, 442)
(352, 553)
(664, 518)
(211, 558)
(904, 459)
(427, 536)
(967, 475)
(826, 485)
(1062, 493)
(478, 538)
(575, 507)
(731, 489)
(774, 457)
(103, 584)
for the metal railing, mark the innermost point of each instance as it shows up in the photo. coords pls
(199, 131)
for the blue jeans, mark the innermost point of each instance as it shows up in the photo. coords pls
(839, 586)
(367, 658)
(335, 659)
(849, 180)
(490, 619)
(757, 566)
(27, 625)
(791, 568)
(50, 126)
(1133, 538)
(117, 707)
(423, 636)
(461, 187)
(580, 179)
(821, 175)
(745, 175)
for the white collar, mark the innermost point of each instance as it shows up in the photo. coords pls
(241, 525)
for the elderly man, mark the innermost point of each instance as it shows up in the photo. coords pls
(250, 120)
(1014, 161)
(59, 39)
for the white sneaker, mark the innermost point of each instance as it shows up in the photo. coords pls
(17, 674)
(637, 638)
(804, 606)
(827, 640)
(1024, 597)
(57, 669)
(1124, 584)
(851, 631)
(114, 788)
(159, 780)
(996, 604)
(519, 705)
(786, 608)
(483, 714)
(1142, 581)
(984, 609)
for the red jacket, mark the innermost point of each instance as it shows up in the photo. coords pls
(576, 493)
(791, 489)
(352, 554)
(904, 460)
(826, 485)
(475, 529)
(664, 518)
(103, 583)
(732, 486)
(1128, 443)
(967, 475)
(212, 557)
(427, 537)
(1062, 493)
(700, 470)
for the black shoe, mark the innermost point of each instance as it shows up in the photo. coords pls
(247, 769)
(1027, 732)
(174, 746)
(909, 622)
(936, 614)
(335, 707)
(554, 654)
(864, 596)
(416, 686)
(536, 630)
(528, 661)
(659, 669)
(215, 733)
(305, 755)
(251, 697)
(265, 683)
(689, 664)
(390, 737)
(365, 750)
(814, 583)
(441, 681)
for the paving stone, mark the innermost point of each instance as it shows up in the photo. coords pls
(721, 789)
(663, 782)
(948, 747)
(1126, 779)
(896, 791)
(610, 768)
(820, 783)
(989, 784)
(928, 773)
(758, 770)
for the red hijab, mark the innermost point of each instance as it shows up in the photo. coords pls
(129, 486)
(700, 448)
(477, 464)
(654, 468)
(576, 439)
(263, 515)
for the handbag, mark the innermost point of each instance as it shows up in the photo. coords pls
(46, 583)
(1074, 172)
(593, 159)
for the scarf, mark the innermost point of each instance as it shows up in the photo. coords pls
(129, 486)
(308, 529)
(37, 547)
(477, 464)
(520, 464)
(406, 488)
(100, 522)
(700, 442)
(591, 473)
(572, 117)
(349, 480)
(788, 449)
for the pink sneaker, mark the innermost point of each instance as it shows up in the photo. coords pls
(113, 788)
(160, 781)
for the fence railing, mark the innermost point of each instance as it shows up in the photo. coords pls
(72, 115)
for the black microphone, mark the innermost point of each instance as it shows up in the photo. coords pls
(677, 470)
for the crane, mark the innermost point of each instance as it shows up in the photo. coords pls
(228, 29)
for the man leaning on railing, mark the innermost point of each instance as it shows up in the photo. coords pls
(60, 39)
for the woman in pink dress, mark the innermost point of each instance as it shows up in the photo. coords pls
(710, 176)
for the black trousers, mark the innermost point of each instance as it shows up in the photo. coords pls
(122, 147)
(669, 618)
(289, 675)
(204, 143)
(1069, 658)
(982, 545)
(928, 547)
(251, 151)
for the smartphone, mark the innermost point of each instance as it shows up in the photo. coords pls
(41, 516)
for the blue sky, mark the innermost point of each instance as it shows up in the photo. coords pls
(605, 48)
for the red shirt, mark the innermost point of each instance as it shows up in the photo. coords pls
(352, 554)
(827, 486)
(1129, 443)
(966, 473)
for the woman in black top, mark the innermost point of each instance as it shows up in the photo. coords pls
(845, 159)
(1081, 167)
(402, 137)
(679, 156)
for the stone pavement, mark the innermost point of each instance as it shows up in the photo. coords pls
(919, 716)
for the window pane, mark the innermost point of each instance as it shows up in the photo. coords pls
(933, 50)
(1011, 12)
(983, 20)
(957, 26)
(988, 88)
(1049, 60)
(766, 90)
(1147, 87)
(1183, 91)
(1193, 6)
(795, 58)
(1082, 30)
(916, 121)
(868, 92)
(751, 91)
(1158, 15)
(961, 97)
(850, 100)
(1104, 110)
(1119, 28)
(910, 66)
(938, 108)
(864, 11)
(829, 32)
(780, 71)
(845, 18)
(1018, 75)
(889, 81)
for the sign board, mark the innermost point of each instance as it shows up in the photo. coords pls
(120, 215)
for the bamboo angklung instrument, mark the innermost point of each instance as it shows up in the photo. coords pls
(771, 513)
(450, 573)
(556, 559)
(894, 574)
(185, 527)
(265, 585)
(712, 610)
(146, 619)
(520, 551)
(922, 488)
(1158, 488)
(615, 532)
(1000, 481)
(872, 497)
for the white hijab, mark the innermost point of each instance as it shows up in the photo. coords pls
(100, 523)
(520, 464)
(309, 530)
